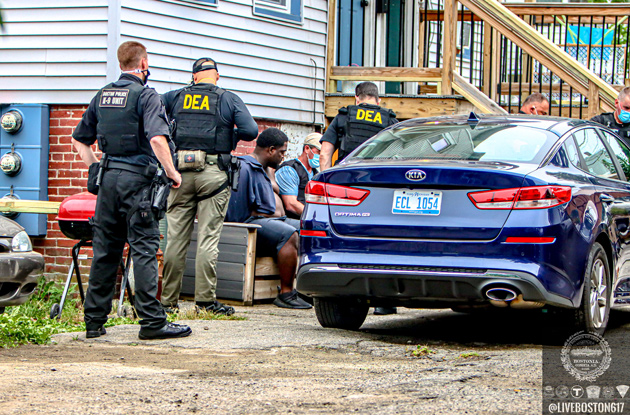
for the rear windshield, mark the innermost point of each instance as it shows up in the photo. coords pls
(504, 142)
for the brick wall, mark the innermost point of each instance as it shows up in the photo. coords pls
(67, 175)
(247, 147)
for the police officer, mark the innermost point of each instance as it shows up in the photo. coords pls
(619, 121)
(205, 116)
(128, 121)
(293, 176)
(355, 124)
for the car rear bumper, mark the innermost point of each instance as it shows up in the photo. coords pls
(418, 286)
(19, 273)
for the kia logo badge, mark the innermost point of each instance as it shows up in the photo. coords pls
(415, 175)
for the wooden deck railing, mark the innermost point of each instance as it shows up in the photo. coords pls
(511, 51)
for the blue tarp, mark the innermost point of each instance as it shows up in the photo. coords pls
(589, 35)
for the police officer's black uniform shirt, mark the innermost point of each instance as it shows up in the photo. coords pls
(232, 111)
(151, 111)
(608, 119)
(334, 130)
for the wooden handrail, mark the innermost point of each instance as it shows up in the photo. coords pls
(543, 50)
(475, 96)
(389, 73)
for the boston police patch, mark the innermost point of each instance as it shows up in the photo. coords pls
(116, 98)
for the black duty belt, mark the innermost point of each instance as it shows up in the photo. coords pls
(148, 171)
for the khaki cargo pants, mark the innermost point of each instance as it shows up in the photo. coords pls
(183, 206)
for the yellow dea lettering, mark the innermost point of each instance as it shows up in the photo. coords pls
(196, 102)
(368, 115)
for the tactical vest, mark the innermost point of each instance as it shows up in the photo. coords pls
(303, 175)
(623, 130)
(120, 129)
(196, 113)
(362, 122)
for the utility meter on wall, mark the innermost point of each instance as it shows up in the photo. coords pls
(11, 121)
(11, 163)
(24, 146)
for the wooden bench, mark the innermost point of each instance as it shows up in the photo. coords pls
(241, 276)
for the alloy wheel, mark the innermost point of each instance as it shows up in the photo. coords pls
(598, 298)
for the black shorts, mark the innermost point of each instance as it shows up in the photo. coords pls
(275, 232)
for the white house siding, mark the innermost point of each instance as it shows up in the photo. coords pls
(56, 51)
(52, 51)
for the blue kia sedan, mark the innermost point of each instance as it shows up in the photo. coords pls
(464, 212)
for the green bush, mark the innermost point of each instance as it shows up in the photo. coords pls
(31, 323)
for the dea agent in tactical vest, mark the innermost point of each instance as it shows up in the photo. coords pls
(618, 121)
(129, 123)
(293, 176)
(204, 118)
(355, 124)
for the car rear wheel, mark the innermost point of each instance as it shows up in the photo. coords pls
(340, 313)
(594, 312)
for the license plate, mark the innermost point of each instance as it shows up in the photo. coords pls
(412, 202)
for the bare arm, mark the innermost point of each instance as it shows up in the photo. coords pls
(85, 152)
(325, 157)
(292, 205)
(272, 176)
(163, 153)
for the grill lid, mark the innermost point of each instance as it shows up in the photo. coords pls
(78, 208)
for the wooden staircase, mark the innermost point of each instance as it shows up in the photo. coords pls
(449, 90)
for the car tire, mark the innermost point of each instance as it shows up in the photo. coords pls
(1, 310)
(594, 312)
(340, 313)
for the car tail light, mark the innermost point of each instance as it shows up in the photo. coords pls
(313, 233)
(535, 197)
(332, 194)
(530, 240)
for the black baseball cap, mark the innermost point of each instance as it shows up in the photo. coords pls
(203, 64)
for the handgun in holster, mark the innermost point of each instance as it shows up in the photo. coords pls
(160, 189)
(231, 165)
(101, 170)
(234, 167)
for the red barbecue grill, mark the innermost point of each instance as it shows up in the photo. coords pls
(75, 221)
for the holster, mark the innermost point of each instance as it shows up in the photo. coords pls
(232, 166)
(160, 189)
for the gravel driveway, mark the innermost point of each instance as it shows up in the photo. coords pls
(282, 361)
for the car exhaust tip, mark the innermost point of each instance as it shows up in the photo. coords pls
(501, 294)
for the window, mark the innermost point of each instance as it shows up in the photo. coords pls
(210, 2)
(620, 150)
(572, 152)
(290, 10)
(489, 142)
(597, 158)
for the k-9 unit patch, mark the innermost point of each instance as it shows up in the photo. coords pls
(116, 98)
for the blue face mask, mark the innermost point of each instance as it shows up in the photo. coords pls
(624, 116)
(314, 162)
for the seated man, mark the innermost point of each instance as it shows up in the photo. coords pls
(293, 175)
(254, 202)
